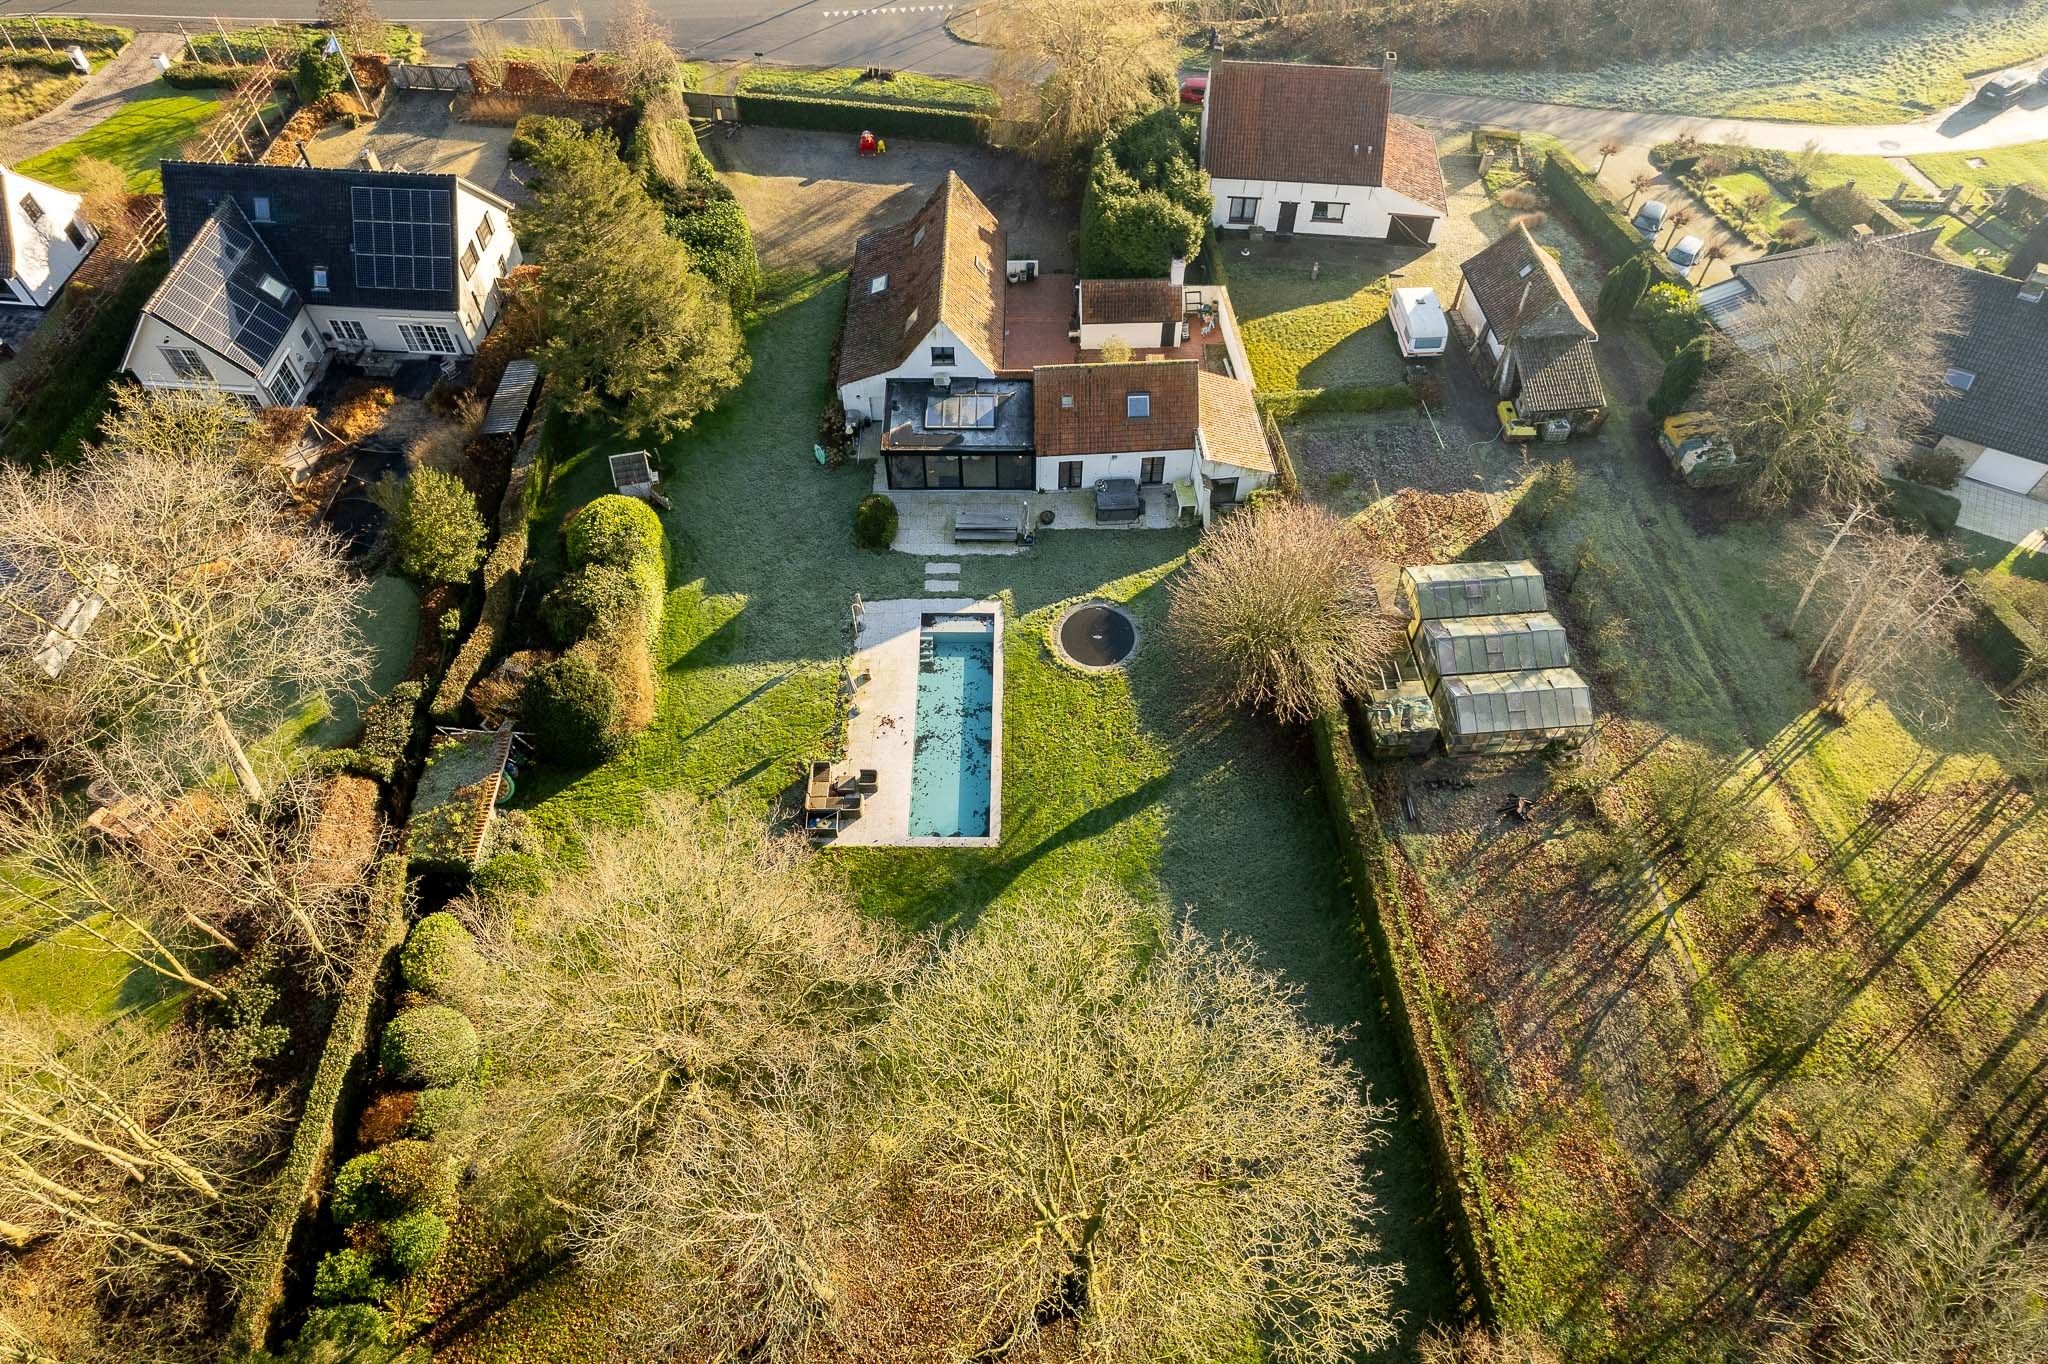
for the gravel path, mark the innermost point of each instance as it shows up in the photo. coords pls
(112, 84)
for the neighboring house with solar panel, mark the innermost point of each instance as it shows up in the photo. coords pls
(44, 238)
(277, 270)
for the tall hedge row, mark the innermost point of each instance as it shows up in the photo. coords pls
(847, 116)
(502, 580)
(2006, 638)
(1575, 189)
(71, 391)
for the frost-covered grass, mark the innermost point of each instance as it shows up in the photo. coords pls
(1884, 75)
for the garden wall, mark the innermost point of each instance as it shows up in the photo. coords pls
(1376, 893)
(344, 1065)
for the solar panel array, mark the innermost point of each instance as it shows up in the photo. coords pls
(403, 238)
(216, 294)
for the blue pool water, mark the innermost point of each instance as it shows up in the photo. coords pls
(955, 735)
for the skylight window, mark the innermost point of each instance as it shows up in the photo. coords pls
(259, 208)
(1961, 380)
(275, 287)
(1137, 405)
(910, 321)
(878, 283)
(1067, 402)
(917, 237)
(319, 279)
(1523, 273)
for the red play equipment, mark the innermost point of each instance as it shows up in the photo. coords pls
(867, 143)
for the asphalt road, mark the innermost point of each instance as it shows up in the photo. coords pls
(908, 34)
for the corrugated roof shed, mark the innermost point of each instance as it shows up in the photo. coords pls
(1492, 644)
(1445, 591)
(1485, 710)
(509, 403)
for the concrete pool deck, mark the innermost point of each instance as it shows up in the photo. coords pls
(881, 729)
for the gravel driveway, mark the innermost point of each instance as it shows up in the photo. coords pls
(809, 197)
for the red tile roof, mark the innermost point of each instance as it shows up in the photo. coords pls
(1288, 121)
(944, 265)
(1131, 300)
(1412, 167)
(1085, 409)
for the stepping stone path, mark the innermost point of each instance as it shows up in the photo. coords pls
(941, 577)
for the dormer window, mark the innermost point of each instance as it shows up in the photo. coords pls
(1137, 405)
(259, 208)
(319, 279)
(878, 283)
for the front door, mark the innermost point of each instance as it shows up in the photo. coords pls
(1070, 473)
(1288, 208)
(1169, 335)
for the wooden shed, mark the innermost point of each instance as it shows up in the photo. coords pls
(1519, 642)
(1451, 591)
(1514, 712)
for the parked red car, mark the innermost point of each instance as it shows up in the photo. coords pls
(1194, 89)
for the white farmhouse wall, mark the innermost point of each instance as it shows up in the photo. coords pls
(1139, 335)
(146, 360)
(495, 259)
(1469, 309)
(44, 257)
(1368, 213)
(1179, 464)
(381, 326)
(867, 397)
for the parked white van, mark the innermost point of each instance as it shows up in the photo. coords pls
(1419, 323)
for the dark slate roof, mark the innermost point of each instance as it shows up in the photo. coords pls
(2002, 341)
(385, 238)
(227, 292)
(6, 228)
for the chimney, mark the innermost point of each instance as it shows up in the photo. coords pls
(2036, 287)
(1387, 60)
(1177, 272)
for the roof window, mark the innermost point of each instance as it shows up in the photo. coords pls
(1961, 380)
(1066, 402)
(275, 287)
(1523, 273)
(910, 321)
(917, 237)
(319, 279)
(878, 283)
(1137, 404)
(259, 208)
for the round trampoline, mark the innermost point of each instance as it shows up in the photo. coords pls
(1096, 636)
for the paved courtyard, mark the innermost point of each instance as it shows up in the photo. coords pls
(418, 131)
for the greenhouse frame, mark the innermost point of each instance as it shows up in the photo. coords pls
(1509, 712)
(1491, 644)
(1450, 591)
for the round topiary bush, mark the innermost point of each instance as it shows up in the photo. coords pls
(572, 710)
(429, 1045)
(874, 522)
(591, 597)
(412, 1175)
(352, 1324)
(358, 1197)
(443, 1113)
(414, 1240)
(440, 960)
(614, 529)
(346, 1276)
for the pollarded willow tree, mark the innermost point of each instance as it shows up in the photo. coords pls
(1278, 608)
(170, 606)
(1141, 1138)
(1847, 366)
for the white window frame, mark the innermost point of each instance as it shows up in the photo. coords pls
(1327, 211)
(183, 361)
(294, 382)
(349, 330)
(1248, 215)
(417, 340)
(950, 357)
(1138, 406)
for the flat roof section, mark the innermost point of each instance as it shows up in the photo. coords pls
(990, 416)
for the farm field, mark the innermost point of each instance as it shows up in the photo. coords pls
(1125, 778)
(2000, 167)
(1885, 75)
(136, 138)
(1746, 976)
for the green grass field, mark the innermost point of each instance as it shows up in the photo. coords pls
(2002, 166)
(1120, 778)
(845, 82)
(136, 138)
(1328, 332)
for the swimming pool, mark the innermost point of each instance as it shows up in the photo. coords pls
(952, 761)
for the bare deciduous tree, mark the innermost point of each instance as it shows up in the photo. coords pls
(1849, 365)
(214, 609)
(658, 1023)
(360, 26)
(1278, 607)
(640, 44)
(554, 46)
(1949, 1276)
(493, 52)
(1477, 1345)
(119, 1142)
(1069, 70)
(1891, 607)
(1151, 1147)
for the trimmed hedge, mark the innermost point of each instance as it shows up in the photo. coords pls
(1287, 404)
(874, 522)
(613, 529)
(344, 1064)
(1595, 211)
(442, 1112)
(850, 116)
(414, 1241)
(721, 242)
(502, 578)
(573, 711)
(427, 1046)
(2008, 641)
(586, 598)
(1418, 1030)
(89, 360)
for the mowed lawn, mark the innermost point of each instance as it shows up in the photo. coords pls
(137, 138)
(1125, 779)
(1325, 332)
(2002, 166)
(1696, 1053)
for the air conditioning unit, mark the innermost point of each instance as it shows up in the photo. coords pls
(942, 381)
